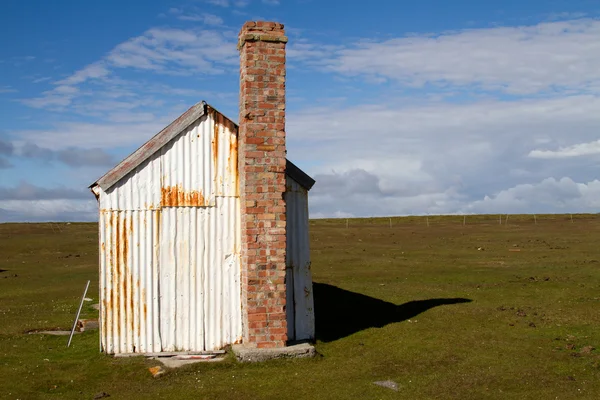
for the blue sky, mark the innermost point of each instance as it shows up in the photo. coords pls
(395, 107)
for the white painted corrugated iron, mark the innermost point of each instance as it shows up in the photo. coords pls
(300, 316)
(170, 241)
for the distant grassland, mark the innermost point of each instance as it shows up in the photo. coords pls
(446, 310)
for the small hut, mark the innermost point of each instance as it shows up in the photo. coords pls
(204, 228)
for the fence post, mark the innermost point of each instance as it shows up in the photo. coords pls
(427, 219)
(346, 223)
(535, 219)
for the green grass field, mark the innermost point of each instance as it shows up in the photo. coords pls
(447, 311)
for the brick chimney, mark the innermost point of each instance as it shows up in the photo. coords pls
(262, 165)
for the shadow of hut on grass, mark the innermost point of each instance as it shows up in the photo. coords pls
(340, 313)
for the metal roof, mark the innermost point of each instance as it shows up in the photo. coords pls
(166, 135)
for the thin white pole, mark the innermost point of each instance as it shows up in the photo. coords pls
(78, 312)
(571, 218)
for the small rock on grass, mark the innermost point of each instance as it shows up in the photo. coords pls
(156, 371)
(387, 384)
(101, 395)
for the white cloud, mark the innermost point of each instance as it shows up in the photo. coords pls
(520, 60)
(191, 51)
(59, 97)
(91, 135)
(7, 89)
(271, 2)
(92, 71)
(165, 51)
(71, 156)
(581, 149)
(550, 195)
(220, 3)
(302, 51)
(434, 157)
(41, 79)
(168, 51)
(206, 18)
(565, 15)
(27, 202)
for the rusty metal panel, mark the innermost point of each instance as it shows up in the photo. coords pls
(301, 320)
(129, 281)
(138, 190)
(224, 155)
(170, 278)
(200, 300)
(200, 164)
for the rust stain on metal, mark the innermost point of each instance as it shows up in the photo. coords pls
(175, 196)
(104, 322)
(217, 120)
(145, 306)
(233, 163)
(120, 268)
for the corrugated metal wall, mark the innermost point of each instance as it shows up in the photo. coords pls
(170, 251)
(300, 316)
(200, 290)
(129, 294)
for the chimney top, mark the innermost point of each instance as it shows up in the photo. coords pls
(262, 31)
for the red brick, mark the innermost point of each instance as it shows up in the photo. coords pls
(262, 183)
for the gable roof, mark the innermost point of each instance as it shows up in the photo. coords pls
(163, 137)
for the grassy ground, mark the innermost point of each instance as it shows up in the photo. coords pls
(447, 311)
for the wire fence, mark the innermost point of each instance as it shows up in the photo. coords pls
(464, 220)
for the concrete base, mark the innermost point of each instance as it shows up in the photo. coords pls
(173, 362)
(54, 333)
(252, 354)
